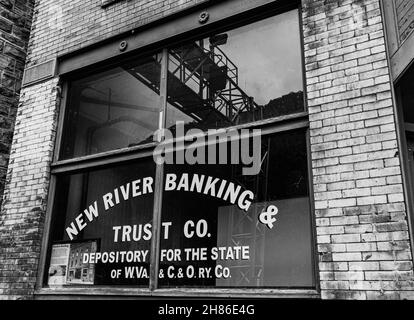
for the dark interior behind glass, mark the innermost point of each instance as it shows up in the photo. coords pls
(279, 257)
(76, 192)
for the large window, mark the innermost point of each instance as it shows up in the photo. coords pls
(121, 218)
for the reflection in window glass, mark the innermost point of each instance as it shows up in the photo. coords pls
(276, 257)
(243, 75)
(112, 110)
(122, 224)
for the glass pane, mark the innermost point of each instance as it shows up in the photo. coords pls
(106, 212)
(114, 109)
(243, 75)
(215, 234)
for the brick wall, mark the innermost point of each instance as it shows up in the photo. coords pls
(60, 26)
(363, 242)
(15, 21)
(405, 17)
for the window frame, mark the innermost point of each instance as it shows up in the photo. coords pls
(402, 129)
(120, 156)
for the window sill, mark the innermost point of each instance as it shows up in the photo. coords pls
(51, 293)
